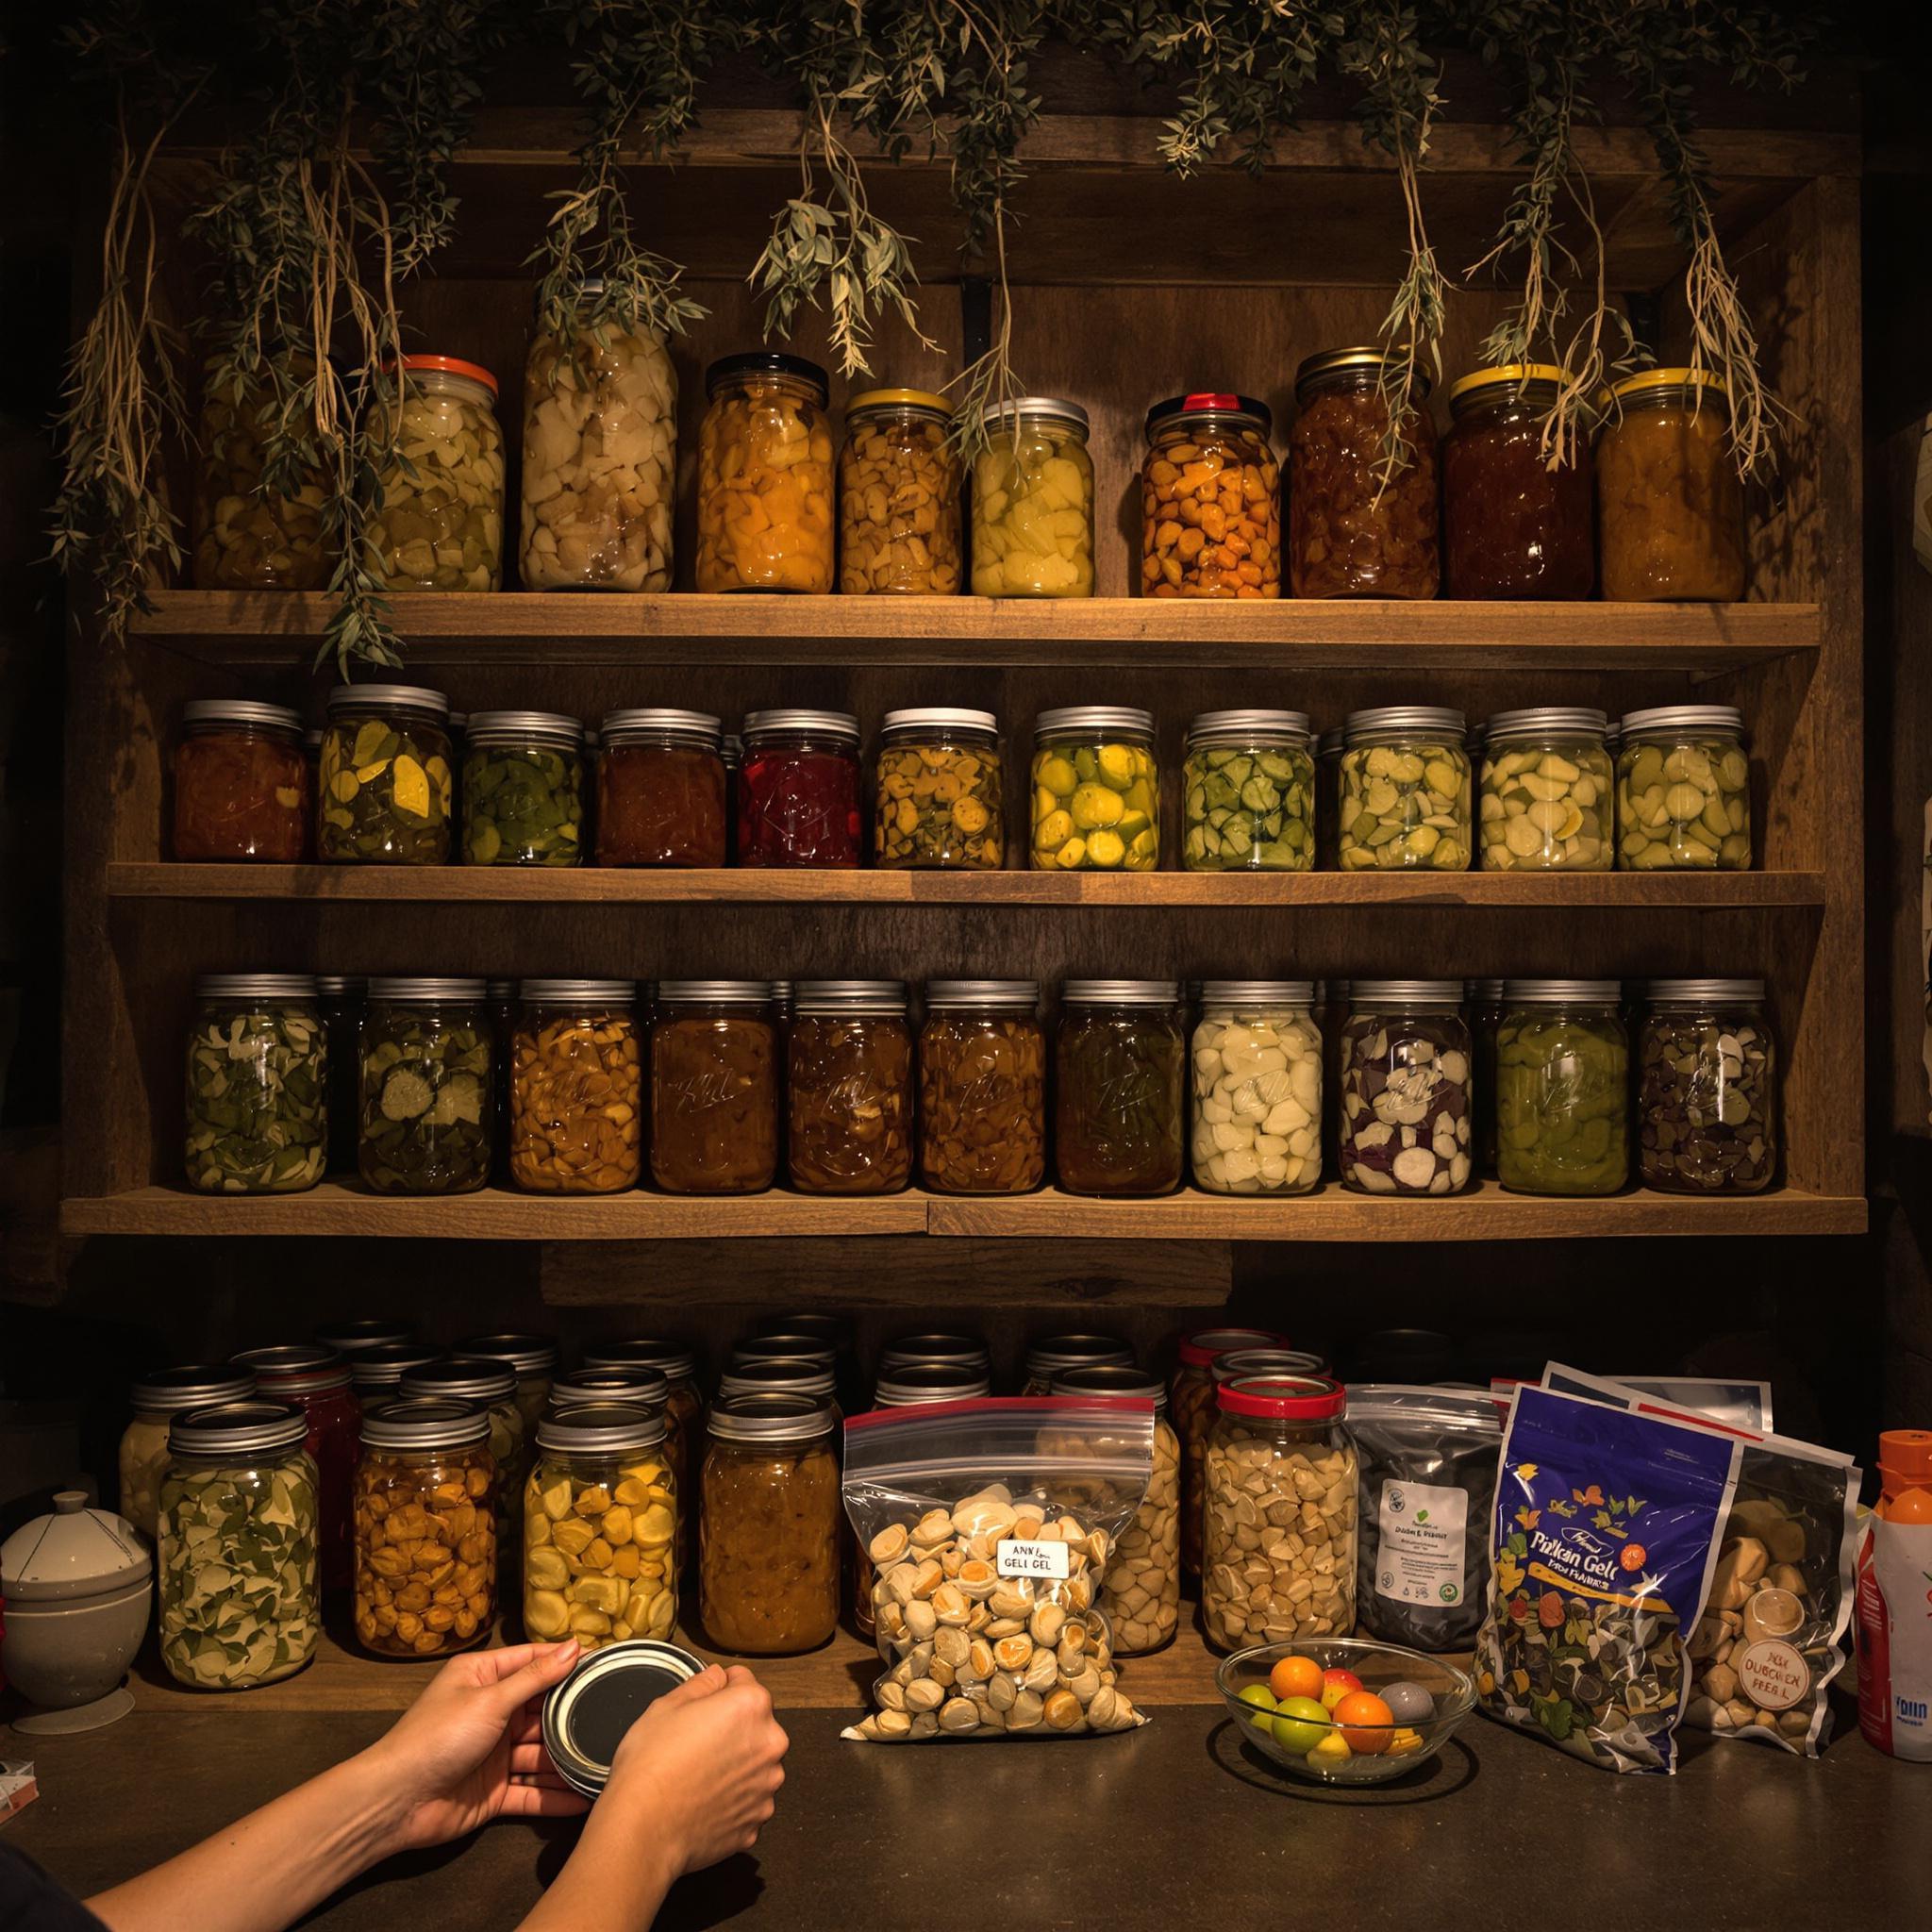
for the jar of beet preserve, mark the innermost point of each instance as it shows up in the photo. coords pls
(798, 789)
(317, 1381)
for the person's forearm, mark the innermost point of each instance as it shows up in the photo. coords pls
(613, 1881)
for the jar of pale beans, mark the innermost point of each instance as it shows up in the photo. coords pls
(1210, 506)
(765, 477)
(899, 530)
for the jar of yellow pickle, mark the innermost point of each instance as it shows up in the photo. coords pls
(1033, 501)
(1096, 793)
(899, 495)
(765, 477)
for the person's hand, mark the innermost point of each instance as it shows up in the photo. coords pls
(471, 1749)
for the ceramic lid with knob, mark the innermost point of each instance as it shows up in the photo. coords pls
(77, 1552)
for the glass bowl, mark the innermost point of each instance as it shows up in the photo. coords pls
(1349, 1754)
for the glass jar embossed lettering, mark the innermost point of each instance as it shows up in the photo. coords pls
(1210, 500)
(849, 1088)
(256, 1085)
(426, 1088)
(576, 1087)
(764, 492)
(1707, 1088)
(1406, 1097)
(1255, 1115)
(1405, 790)
(662, 789)
(899, 496)
(1683, 790)
(982, 1088)
(798, 789)
(714, 1088)
(522, 790)
(1096, 789)
(939, 795)
(438, 524)
(1250, 781)
(240, 783)
(1546, 792)
(384, 783)
(1563, 1088)
(1120, 1072)
(1033, 501)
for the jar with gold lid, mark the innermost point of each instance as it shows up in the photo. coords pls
(899, 485)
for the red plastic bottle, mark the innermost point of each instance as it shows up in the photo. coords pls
(1895, 1601)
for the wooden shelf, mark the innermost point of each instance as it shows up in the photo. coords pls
(1330, 1214)
(676, 629)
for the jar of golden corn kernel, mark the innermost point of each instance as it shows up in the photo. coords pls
(899, 495)
(1210, 508)
(1033, 501)
(765, 477)
(600, 1527)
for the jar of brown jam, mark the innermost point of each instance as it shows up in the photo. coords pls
(1120, 1067)
(240, 783)
(1516, 513)
(849, 1088)
(660, 789)
(714, 1086)
(982, 1088)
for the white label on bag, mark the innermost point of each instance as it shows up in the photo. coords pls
(1420, 1559)
(1014, 1558)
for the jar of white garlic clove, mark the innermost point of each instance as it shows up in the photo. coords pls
(437, 522)
(1256, 1112)
(1406, 1088)
(600, 459)
(1546, 792)
(1405, 800)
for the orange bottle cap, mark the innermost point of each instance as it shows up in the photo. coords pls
(1905, 1458)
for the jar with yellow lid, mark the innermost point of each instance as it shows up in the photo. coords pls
(899, 496)
(765, 477)
(1033, 502)
(1670, 504)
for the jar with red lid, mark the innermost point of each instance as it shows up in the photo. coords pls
(316, 1380)
(437, 523)
(1191, 1401)
(240, 783)
(1279, 1454)
(798, 789)
(660, 789)
(1210, 500)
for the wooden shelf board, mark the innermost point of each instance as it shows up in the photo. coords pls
(1330, 1214)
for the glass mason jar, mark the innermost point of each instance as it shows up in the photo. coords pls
(500, 997)
(576, 1087)
(1707, 1088)
(245, 538)
(1210, 500)
(1336, 996)
(1513, 523)
(600, 459)
(257, 1116)
(798, 789)
(912, 1351)
(316, 1381)
(714, 1088)
(640, 1387)
(240, 783)
(1670, 504)
(489, 1387)
(523, 788)
(1033, 501)
(384, 786)
(352, 1334)
(939, 791)
(848, 1086)
(1327, 807)
(438, 524)
(1482, 1001)
(919, 1382)
(1563, 1087)
(1096, 789)
(1250, 780)
(240, 1602)
(1546, 792)
(817, 1328)
(1119, 1068)
(899, 496)
(982, 1088)
(532, 1357)
(377, 1374)
(1405, 1099)
(1683, 790)
(765, 477)
(599, 1528)
(1279, 1452)
(1191, 1404)
(1352, 530)
(662, 789)
(813, 1372)
(344, 998)
(426, 1531)
(683, 1417)
(1255, 1115)
(1054, 1356)
(768, 1530)
(426, 1088)
(157, 1399)
(1405, 790)
(1141, 1597)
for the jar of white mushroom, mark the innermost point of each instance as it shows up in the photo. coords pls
(1406, 1088)
(1279, 1525)
(1546, 792)
(1256, 1112)
(437, 522)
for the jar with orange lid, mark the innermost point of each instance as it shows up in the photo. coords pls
(899, 524)
(1210, 502)
(1191, 1402)
(765, 475)
(1670, 504)
(438, 520)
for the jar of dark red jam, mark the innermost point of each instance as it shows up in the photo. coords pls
(316, 1380)
(660, 790)
(240, 783)
(798, 789)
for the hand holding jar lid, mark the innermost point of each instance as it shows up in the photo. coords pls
(1210, 506)
(765, 477)
(1033, 501)
(899, 495)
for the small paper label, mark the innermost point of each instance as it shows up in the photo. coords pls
(1773, 1674)
(1013, 1557)
(1421, 1555)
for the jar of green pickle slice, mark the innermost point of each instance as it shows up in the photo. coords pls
(426, 1088)
(1563, 1088)
(384, 785)
(1683, 790)
(1096, 790)
(1405, 800)
(1250, 778)
(257, 1085)
(523, 788)
(437, 522)
(1546, 790)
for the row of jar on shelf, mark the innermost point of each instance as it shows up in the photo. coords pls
(1654, 512)
(712, 1088)
(1398, 787)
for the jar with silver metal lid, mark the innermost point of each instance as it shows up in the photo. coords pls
(1563, 1088)
(318, 1382)
(1405, 790)
(1707, 1088)
(769, 1525)
(918, 1383)
(487, 1385)
(534, 1358)
(352, 1336)
(1051, 1355)
(684, 1416)
(982, 1088)
(663, 790)
(1120, 1066)
(1190, 1396)
(427, 1087)
(938, 799)
(428, 1521)
(786, 1344)
(1255, 1110)
(256, 1088)
(1250, 780)
(1096, 789)
(1546, 792)
(1683, 790)
(386, 782)
(240, 1602)
(1406, 1098)
(523, 788)
(848, 1088)
(240, 783)
(1482, 1006)
(1033, 501)
(798, 789)
(376, 1372)
(813, 1375)
(576, 1087)
(641, 1388)
(156, 1399)
(714, 1086)
(908, 1351)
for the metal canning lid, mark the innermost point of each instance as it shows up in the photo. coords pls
(870, 400)
(423, 1425)
(1331, 741)
(1202, 406)
(828, 1330)
(1542, 721)
(779, 1374)
(451, 365)
(1053, 409)
(642, 726)
(1284, 1398)
(729, 369)
(714, 992)
(882, 996)
(1200, 1348)
(385, 1365)
(564, 992)
(586, 1717)
(1407, 993)
(939, 718)
(1247, 724)
(1437, 719)
(1651, 380)
(499, 991)
(673, 1359)
(1092, 721)
(487, 728)
(1017, 994)
(370, 1331)
(1236, 1362)
(909, 1349)
(1365, 358)
(1488, 991)
(601, 1428)
(1052, 1353)
(644, 1388)
(254, 986)
(1691, 992)
(1121, 993)
(1258, 992)
(1112, 1378)
(388, 697)
(1663, 719)
(731, 749)
(759, 726)
(424, 991)
(342, 986)
(462, 1378)
(1562, 992)
(294, 1368)
(197, 1385)
(1521, 377)
(528, 1354)
(769, 1418)
(237, 1428)
(785, 1345)
(240, 711)
(921, 1382)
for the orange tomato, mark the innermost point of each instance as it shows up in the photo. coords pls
(1361, 1708)
(1295, 1677)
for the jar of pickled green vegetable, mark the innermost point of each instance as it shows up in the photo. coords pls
(1563, 1088)
(1683, 790)
(427, 1052)
(437, 522)
(257, 1085)
(1405, 790)
(1120, 1065)
(384, 785)
(523, 788)
(1547, 789)
(1096, 790)
(1250, 781)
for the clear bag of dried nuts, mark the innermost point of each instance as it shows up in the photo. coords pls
(989, 1525)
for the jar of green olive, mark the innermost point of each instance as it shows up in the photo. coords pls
(1250, 779)
(257, 1085)
(1404, 799)
(426, 1088)
(1563, 1088)
(385, 784)
(1683, 790)
(523, 788)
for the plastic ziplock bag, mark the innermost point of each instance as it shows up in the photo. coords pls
(1771, 1637)
(1605, 1538)
(989, 1525)
(1732, 1404)
(1428, 1485)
